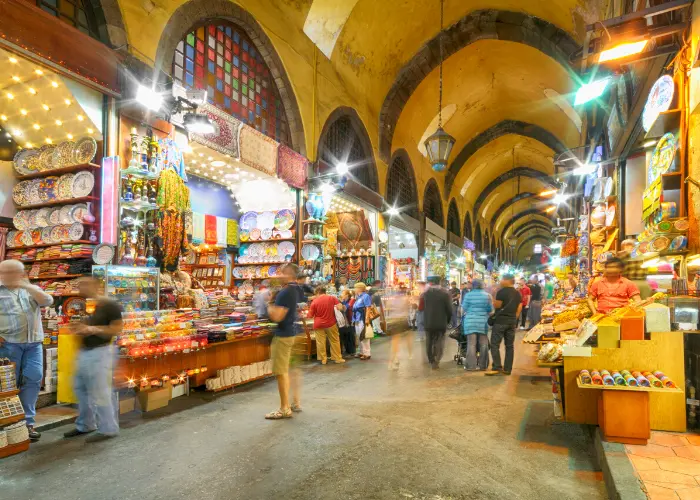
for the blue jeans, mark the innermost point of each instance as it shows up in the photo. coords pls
(29, 371)
(483, 341)
(420, 326)
(505, 334)
(93, 386)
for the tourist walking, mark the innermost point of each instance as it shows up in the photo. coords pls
(284, 312)
(93, 378)
(526, 294)
(376, 296)
(420, 312)
(508, 305)
(535, 312)
(477, 307)
(22, 334)
(322, 310)
(347, 332)
(455, 295)
(360, 319)
(437, 315)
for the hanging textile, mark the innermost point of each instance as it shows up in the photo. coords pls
(226, 141)
(231, 233)
(197, 227)
(172, 192)
(292, 167)
(258, 150)
(221, 231)
(210, 229)
(172, 157)
(171, 239)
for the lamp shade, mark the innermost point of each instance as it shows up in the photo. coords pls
(512, 241)
(439, 146)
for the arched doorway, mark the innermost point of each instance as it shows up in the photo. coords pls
(432, 203)
(344, 139)
(401, 190)
(468, 227)
(453, 224)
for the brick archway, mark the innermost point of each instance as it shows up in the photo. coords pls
(482, 24)
(197, 11)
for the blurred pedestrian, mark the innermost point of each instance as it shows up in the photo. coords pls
(477, 307)
(322, 310)
(508, 305)
(93, 379)
(437, 315)
(526, 294)
(420, 311)
(22, 334)
(455, 295)
(360, 319)
(284, 313)
(535, 312)
(260, 300)
(378, 309)
(347, 333)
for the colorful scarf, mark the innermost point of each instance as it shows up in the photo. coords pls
(231, 233)
(210, 229)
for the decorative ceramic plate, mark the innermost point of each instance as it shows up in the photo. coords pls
(75, 231)
(34, 161)
(65, 215)
(47, 189)
(610, 216)
(79, 212)
(83, 182)
(56, 234)
(65, 187)
(286, 234)
(20, 220)
(46, 235)
(272, 271)
(244, 235)
(65, 232)
(26, 239)
(598, 189)
(266, 234)
(42, 217)
(237, 273)
(284, 219)
(309, 252)
(11, 239)
(603, 257)
(660, 243)
(31, 219)
(46, 161)
(63, 155)
(659, 100)
(74, 306)
(55, 216)
(609, 187)
(20, 162)
(20, 193)
(286, 248)
(266, 220)
(681, 225)
(664, 226)
(103, 254)
(678, 243)
(255, 234)
(85, 150)
(662, 158)
(33, 195)
(249, 221)
(36, 236)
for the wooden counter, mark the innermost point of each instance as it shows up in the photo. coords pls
(663, 352)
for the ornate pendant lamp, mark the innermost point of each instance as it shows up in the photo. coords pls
(439, 145)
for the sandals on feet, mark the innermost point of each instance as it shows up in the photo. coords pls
(279, 414)
(296, 408)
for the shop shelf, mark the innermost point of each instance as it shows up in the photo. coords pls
(206, 265)
(668, 121)
(13, 449)
(55, 276)
(260, 263)
(227, 387)
(11, 420)
(138, 172)
(8, 394)
(59, 171)
(56, 258)
(274, 240)
(313, 221)
(76, 294)
(671, 181)
(318, 242)
(138, 205)
(44, 245)
(58, 202)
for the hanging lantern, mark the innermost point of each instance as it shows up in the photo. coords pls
(439, 146)
(512, 241)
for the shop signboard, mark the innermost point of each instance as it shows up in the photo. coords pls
(651, 200)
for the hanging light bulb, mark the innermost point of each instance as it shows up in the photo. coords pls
(440, 144)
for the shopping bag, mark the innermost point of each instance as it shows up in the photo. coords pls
(369, 332)
(340, 319)
(455, 333)
(372, 313)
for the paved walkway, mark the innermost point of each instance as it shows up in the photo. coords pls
(366, 433)
(669, 465)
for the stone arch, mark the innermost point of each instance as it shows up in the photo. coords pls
(529, 226)
(530, 238)
(467, 232)
(196, 12)
(490, 23)
(478, 241)
(432, 203)
(453, 224)
(508, 203)
(401, 190)
(345, 130)
(500, 129)
(518, 216)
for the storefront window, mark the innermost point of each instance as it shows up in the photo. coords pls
(222, 60)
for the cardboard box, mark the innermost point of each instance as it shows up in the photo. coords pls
(632, 326)
(608, 334)
(155, 398)
(127, 405)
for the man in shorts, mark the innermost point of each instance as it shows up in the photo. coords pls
(284, 312)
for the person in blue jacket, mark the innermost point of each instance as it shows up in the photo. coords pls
(477, 306)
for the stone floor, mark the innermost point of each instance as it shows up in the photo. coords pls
(669, 466)
(365, 433)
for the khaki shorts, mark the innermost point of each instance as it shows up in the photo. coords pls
(280, 352)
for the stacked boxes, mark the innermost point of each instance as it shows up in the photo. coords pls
(51, 373)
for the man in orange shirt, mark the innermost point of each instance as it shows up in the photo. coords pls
(322, 310)
(612, 290)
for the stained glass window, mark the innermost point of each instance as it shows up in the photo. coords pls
(468, 227)
(453, 219)
(401, 187)
(342, 142)
(77, 13)
(432, 204)
(222, 60)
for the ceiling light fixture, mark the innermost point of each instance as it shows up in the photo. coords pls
(16, 78)
(548, 192)
(440, 144)
(38, 72)
(586, 169)
(592, 90)
(69, 136)
(393, 211)
(59, 122)
(90, 131)
(80, 118)
(23, 112)
(67, 101)
(551, 209)
(28, 145)
(32, 90)
(36, 126)
(48, 140)
(46, 107)
(342, 168)
(3, 117)
(622, 50)
(13, 60)
(17, 133)
(149, 98)
(199, 124)
(10, 95)
(54, 84)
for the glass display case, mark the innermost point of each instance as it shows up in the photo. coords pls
(135, 288)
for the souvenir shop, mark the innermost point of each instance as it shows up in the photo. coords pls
(435, 253)
(402, 251)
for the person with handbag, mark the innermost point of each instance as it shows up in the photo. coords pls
(508, 308)
(347, 332)
(325, 310)
(437, 311)
(362, 320)
(477, 307)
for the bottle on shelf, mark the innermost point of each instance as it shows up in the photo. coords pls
(134, 161)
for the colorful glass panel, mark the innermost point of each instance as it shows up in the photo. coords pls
(77, 13)
(223, 60)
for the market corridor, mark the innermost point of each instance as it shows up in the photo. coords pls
(365, 433)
